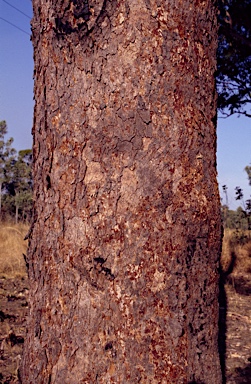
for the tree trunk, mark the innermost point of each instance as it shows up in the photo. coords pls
(123, 255)
(0, 200)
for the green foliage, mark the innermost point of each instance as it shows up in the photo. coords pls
(240, 220)
(6, 156)
(234, 57)
(234, 219)
(248, 170)
(19, 186)
(6, 151)
(15, 179)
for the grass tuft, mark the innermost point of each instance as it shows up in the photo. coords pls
(12, 248)
(236, 252)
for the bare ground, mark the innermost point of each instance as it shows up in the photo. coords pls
(238, 330)
(13, 311)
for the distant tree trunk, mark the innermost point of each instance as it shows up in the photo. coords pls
(16, 208)
(123, 255)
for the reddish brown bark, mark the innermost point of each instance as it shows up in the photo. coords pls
(126, 237)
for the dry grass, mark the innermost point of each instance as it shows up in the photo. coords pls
(12, 248)
(236, 252)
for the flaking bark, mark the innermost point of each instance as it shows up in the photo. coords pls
(125, 244)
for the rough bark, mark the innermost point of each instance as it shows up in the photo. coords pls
(123, 256)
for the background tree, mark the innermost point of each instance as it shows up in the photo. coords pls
(123, 255)
(248, 170)
(234, 57)
(18, 186)
(240, 219)
(246, 205)
(6, 157)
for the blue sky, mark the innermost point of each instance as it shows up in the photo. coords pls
(16, 101)
(16, 72)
